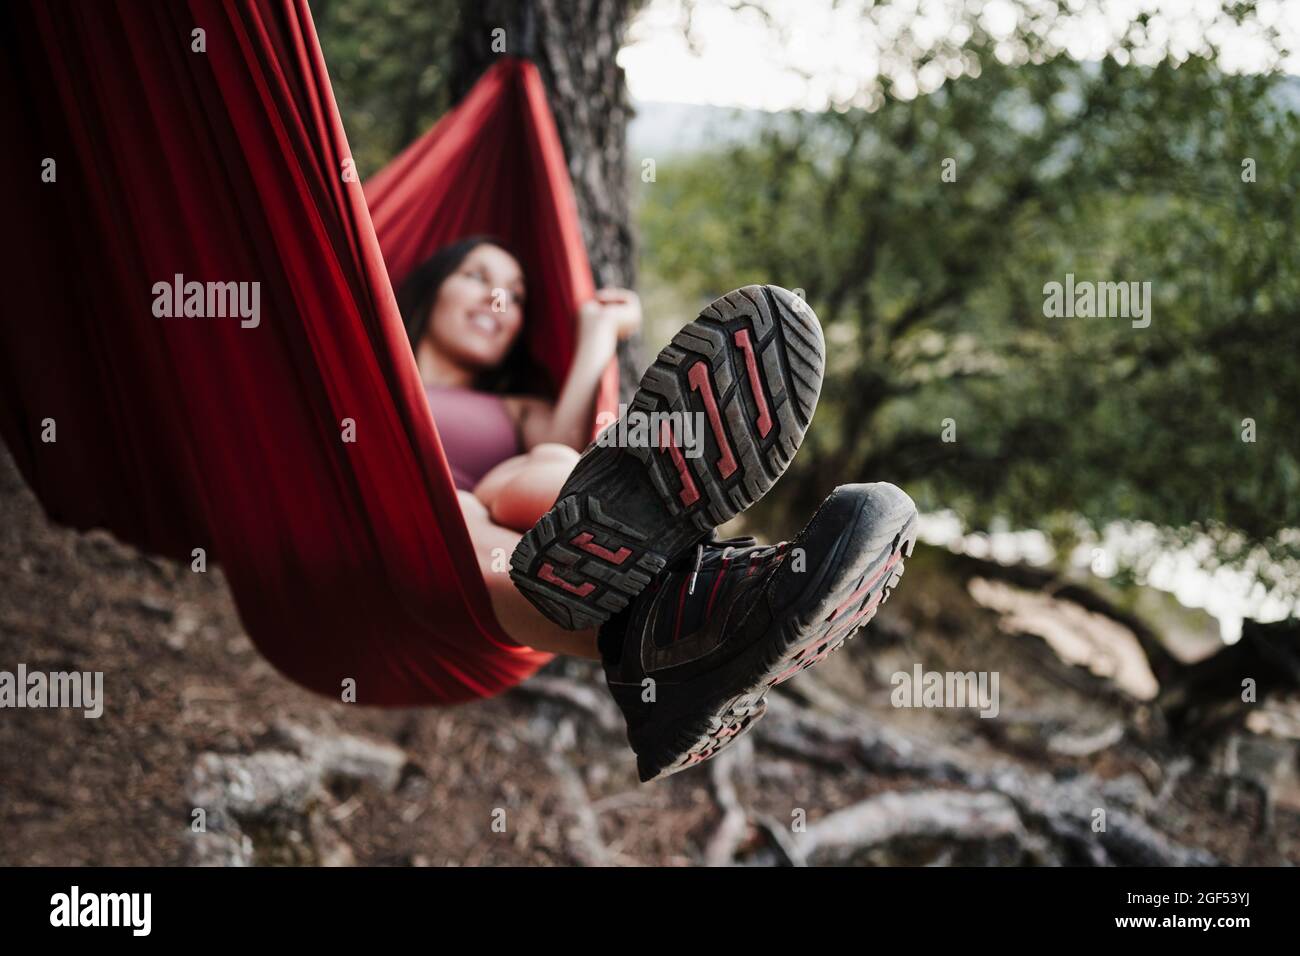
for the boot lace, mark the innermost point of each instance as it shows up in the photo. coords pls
(736, 543)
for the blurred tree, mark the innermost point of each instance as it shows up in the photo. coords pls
(945, 373)
(389, 64)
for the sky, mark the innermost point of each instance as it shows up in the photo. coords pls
(814, 54)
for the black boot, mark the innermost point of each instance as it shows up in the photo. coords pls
(691, 660)
(749, 369)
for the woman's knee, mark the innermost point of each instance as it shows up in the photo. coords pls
(529, 495)
(553, 453)
(520, 490)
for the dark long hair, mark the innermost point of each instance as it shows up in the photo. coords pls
(418, 293)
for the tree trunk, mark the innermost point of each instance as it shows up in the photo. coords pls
(573, 43)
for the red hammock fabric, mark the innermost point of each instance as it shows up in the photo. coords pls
(346, 560)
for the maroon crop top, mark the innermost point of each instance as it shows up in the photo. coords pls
(476, 430)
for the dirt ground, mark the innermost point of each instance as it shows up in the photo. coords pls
(523, 779)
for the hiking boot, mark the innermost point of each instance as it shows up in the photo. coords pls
(691, 661)
(716, 420)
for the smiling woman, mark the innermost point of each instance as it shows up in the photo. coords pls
(463, 309)
(509, 449)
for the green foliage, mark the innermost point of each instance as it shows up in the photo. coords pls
(388, 63)
(932, 292)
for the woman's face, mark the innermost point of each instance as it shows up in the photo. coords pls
(479, 309)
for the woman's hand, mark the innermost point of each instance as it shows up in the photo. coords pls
(616, 308)
(612, 315)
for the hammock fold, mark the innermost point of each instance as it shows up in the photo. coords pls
(348, 560)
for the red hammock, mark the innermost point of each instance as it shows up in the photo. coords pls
(346, 560)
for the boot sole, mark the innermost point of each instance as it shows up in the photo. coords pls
(862, 569)
(751, 366)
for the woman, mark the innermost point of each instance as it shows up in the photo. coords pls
(613, 554)
(509, 452)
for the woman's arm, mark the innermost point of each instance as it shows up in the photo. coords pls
(612, 316)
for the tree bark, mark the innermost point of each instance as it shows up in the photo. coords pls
(574, 44)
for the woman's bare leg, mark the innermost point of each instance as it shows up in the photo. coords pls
(522, 488)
